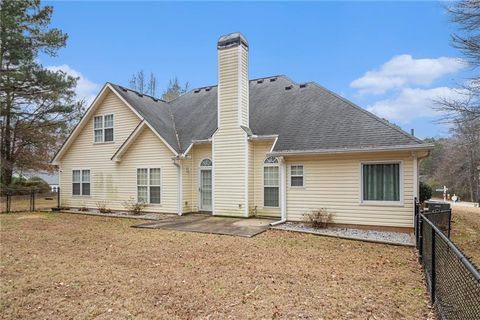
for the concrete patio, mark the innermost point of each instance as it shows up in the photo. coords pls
(204, 223)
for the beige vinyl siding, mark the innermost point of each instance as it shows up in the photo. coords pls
(84, 154)
(334, 183)
(116, 182)
(230, 171)
(187, 185)
(230, 144)
(148, 152)
(244, 83)
(260, 154)
(251, 177)
(197, 154)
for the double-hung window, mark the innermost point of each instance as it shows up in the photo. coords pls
(103, 128)
(81, 182)
(149, 185)
(271, 190)
(296, 175)
(381, 182)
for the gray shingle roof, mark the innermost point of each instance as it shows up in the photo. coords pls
(305, 117)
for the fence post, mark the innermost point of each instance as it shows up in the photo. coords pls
(449, 222)
(420, 240)
(58, 198)
(33, 198)
(432, 270)
(9, 199)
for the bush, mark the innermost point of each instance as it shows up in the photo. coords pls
(425, 192)
(102, 207)
(133, 207)
(318, 218)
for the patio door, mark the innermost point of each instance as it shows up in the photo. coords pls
(206, 189)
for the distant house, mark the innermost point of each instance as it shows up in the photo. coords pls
(267, 147)
(50, 178)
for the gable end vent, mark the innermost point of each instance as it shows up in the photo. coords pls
(289, 87)
(303, 85)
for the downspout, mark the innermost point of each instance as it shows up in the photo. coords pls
(180, 186)
(283, 192)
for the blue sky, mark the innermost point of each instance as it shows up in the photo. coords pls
(392, 58)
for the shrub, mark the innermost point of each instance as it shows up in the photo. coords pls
(425, 192)
(133, 207)
(102, 207)
(318, 218)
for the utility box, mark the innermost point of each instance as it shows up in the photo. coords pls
(434, 206)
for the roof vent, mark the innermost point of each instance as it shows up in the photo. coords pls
(260, 81)
(273, 79)
(196, 90)
(208, 89)
(139, 94)
(289, 87)
(303, 85)
(122, 88)
(154, 99)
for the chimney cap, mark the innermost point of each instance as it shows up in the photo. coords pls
(232, 40)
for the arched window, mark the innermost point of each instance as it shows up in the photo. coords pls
(271, 160)
(206, 163)
(271, 183)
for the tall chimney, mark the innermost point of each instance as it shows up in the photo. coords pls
(233, 80)
(230, 146)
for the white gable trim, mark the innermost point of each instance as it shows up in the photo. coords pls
(117, 156)
(88, 115)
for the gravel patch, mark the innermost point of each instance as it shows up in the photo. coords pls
(396, 238)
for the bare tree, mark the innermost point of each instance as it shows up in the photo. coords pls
(465, 14)
(174, 90)
(139, 83)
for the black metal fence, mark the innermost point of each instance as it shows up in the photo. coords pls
(28, 199)
(452, 279)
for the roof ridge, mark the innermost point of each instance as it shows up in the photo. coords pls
(216, 85)
(137, 92)
(370, 114)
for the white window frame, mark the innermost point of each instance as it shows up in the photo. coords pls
(263, 181)
(81, 182)
(103, 128)
(148, 185)
(399, 203)
(291, 175)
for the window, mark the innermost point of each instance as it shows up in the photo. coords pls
(271, 182)
(81, 182)
(103, 128)
(296, 176)
(206, 163)
(381, 182)
(148, 185)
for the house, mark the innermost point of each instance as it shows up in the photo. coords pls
(267, 147)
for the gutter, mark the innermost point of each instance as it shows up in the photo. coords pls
(425, 146)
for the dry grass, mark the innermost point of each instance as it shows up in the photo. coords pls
(82, 267)
(466, 231)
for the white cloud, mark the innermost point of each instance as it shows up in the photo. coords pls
(413, 103)
(403, 70)
(85, 89)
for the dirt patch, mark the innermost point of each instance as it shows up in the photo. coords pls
(72, 266)
(466, 231)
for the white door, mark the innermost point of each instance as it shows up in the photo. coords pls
(206, 189)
